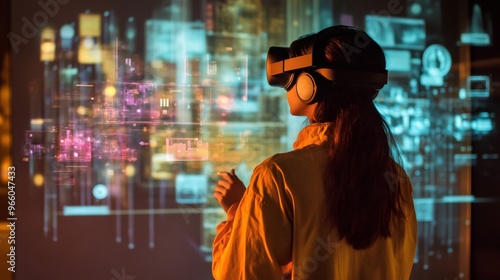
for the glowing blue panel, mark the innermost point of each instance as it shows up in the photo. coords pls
(482, 124)
(395, 32)
(86, 210)
(477, 35)
(476, 39)
(424, 209)
(170, 41)
(478, 86)
(458, 198)
(398, 60)
(191, 188)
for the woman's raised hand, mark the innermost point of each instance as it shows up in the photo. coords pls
(229, 189)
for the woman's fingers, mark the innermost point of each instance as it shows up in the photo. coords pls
(229, 189)
(221, 190)
(226, 176)
(224, 183)
(218, 196)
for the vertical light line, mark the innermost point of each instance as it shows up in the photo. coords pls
(118, 210)
(79, 180)
(88, 184)
(208, 64)
(116, 58)
(245, 97)
(130, 183)
(151, 215)
(53, 197)
(46, 191)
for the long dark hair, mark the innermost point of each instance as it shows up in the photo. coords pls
(363, 202)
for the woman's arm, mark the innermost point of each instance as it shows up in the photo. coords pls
(256, 242)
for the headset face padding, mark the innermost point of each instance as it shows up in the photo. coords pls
(282, 78)
(306, 88)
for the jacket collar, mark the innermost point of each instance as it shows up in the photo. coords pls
(314, 134)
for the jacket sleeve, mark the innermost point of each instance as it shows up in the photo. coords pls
(256, 243)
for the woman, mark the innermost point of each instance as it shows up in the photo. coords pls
(338, 206)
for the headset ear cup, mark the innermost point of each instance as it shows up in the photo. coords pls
(306, 88)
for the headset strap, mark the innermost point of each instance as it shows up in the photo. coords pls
(354, 77)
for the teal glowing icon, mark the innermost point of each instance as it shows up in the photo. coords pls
(100, 191)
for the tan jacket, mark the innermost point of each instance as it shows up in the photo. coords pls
(278, 227)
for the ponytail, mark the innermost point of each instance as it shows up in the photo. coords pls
(361, 202)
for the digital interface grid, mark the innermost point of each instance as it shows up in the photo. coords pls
(124, 136)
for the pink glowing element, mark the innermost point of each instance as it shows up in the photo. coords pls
(124, 154)
(115, 147)
(137, 102)
(110, 114)
(186, 149)
(75, 146)
(33, 146)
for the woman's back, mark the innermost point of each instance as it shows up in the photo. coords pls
(317, 252)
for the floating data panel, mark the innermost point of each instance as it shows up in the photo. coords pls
(476, 34)
(398, 61)
(424, 209)
(86, 210)
(482, 123)
(436, 63)
(397, 32)
(138, 102)
(75, 146)
(185, 149)
(478, 86)
(191, 188)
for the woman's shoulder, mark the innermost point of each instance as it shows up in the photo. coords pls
(272, 162)
(294, 159)
(289, 162)
(281, 159)
(275, 165)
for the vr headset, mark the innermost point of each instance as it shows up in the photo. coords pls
(281, 70)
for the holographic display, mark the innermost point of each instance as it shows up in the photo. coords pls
(397, 32)
(137, 138)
